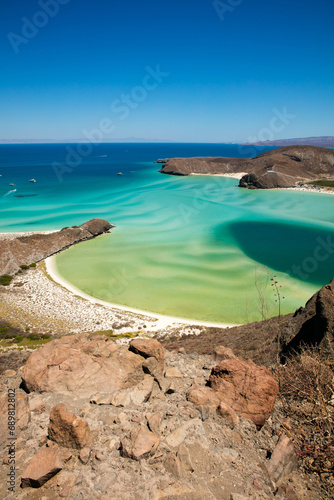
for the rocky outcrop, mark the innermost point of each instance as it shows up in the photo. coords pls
(26, 250)
(82, 365)
(204, 166)
(312, 324)
(278, 168)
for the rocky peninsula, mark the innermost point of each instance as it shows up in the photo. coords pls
(25, 250)
(279, 168)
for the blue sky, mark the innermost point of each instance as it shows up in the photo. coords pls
(184, 71)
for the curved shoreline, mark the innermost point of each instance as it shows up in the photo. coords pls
(163, 321)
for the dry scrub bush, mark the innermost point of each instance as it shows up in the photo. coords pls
(307, 392)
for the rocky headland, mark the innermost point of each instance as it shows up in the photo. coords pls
(279, 168)
(25, 250)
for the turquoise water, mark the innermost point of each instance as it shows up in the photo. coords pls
(192, 247)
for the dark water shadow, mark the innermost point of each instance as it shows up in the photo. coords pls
(303, 253)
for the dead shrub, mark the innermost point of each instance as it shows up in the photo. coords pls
(307, 392)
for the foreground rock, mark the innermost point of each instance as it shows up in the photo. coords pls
(157, 444)
(26, 250)
(81, 364)
(278, 168)
(247, 388)
(43, 466)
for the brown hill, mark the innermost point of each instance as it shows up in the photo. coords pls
(204, 165)
(282, 167)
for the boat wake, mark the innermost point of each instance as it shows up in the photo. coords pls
(9, 192)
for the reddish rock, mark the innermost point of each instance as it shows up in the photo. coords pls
(68, 430)
(221, 353)
(82, 365)
(43, 466)
(152, 351)
(228, 414)
(148, 348)
(247, 388)
(139, 444)
(283, 460)
(202, 395)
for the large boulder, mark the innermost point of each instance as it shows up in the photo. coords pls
(247, 388)
(81, 365)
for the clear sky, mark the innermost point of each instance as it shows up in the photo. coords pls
(178, 70)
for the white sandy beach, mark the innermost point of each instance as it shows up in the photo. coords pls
(237, 175)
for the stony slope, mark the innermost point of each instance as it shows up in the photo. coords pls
(149, 429)
(282, 167)
(30, 249)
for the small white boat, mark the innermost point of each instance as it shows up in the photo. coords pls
(11, 184)
(32, 180)
(119, 173)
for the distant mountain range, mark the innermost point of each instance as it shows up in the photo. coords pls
(322, 142)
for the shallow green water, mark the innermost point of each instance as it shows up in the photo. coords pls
(193, 247)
